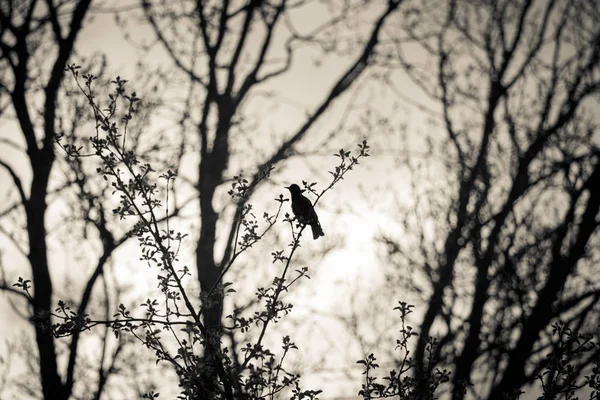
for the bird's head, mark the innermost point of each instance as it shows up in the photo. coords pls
(294, 189)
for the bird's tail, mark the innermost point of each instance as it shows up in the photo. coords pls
(317, 231)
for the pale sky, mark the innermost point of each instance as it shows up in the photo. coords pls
(360, 207)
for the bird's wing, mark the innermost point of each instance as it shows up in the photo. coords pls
(311, 214)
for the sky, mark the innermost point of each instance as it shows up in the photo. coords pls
(352, 216)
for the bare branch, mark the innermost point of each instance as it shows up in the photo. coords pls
(16, 181)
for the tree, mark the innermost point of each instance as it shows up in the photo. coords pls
(23, 26)
(515, 237)
(55, 201)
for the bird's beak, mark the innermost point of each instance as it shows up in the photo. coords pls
(287, 187)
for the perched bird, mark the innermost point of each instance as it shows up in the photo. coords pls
(304, 211)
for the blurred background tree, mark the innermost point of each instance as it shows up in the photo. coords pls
(504, 241)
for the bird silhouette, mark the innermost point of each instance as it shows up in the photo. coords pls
(304, 211)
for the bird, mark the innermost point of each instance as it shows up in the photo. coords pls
(304, 211)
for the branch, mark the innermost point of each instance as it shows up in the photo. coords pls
(146, 6)
(4, 287)
(109, 247)
(58, 72)
(12, 144)
(538, 44)
(508, 53)
(210, 49)
(240, 45)
(54, 22)
(344, 83)
(251, 79)
(103, 374)
(16, 180)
